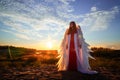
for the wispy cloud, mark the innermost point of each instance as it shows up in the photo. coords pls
(18, 15)
(22, 36)
(99, 19)
(93, 8)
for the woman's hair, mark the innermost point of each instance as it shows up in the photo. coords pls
(73, 28)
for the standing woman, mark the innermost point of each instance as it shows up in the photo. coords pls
(74, 52)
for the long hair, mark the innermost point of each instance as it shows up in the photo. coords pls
(73, 28)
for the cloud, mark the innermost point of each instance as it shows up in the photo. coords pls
(4, 30)
(27, 11)
(22, 36)
(66, 1)
(99, 20)
(32, 19)
(93, 8)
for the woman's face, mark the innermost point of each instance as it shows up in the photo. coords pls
(71, 24)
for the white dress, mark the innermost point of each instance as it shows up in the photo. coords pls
(82, 53)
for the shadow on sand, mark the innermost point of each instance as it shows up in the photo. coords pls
(74, 75)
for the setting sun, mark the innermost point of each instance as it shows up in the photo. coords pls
(49, 45)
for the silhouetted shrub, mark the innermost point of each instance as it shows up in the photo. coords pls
(105, 52)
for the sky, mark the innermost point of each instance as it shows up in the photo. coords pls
(41, 24)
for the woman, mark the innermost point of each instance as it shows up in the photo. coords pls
(74, 52)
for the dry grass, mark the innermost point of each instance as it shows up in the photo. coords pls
(104, 57)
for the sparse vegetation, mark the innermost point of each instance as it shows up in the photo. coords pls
(30, 59)
(26, 57)
(104, 56)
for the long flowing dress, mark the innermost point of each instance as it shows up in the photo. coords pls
(72, 65)
(76, 59)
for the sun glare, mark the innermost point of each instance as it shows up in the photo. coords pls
(49, 45)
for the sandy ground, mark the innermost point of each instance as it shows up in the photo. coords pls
(49, 72)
